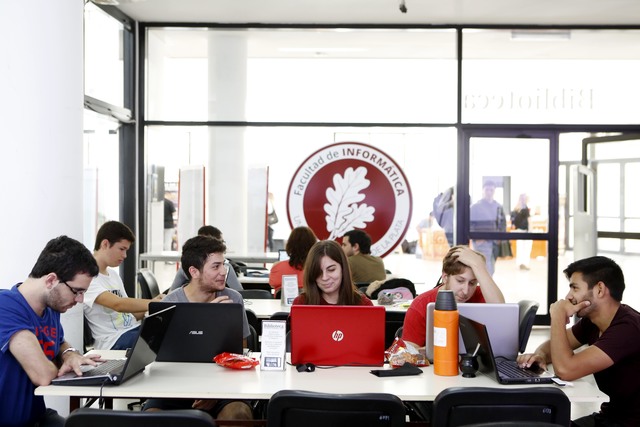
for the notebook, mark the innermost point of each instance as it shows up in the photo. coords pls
(337, 335)
(502, 322)
(200, 331)
(150, 337)
(504, 370)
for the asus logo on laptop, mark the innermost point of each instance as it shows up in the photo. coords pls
(196, 333)
(337, 335)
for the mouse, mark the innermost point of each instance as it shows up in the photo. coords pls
(306, 367)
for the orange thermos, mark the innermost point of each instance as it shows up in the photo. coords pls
(445, 334)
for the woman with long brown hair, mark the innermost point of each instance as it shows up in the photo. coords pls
(327, 278)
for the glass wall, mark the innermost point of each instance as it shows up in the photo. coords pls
(284, 75)
(550, 76)
(281, 93)
(103, 63)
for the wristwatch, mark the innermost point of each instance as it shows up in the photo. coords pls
(68, 350)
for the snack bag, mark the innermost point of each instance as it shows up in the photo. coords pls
(235, 361)
(399, 353)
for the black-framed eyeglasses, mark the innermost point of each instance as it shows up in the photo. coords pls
(76, 292)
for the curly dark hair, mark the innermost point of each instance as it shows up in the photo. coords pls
(196, 250)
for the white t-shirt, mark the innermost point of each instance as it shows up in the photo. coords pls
(106, 324)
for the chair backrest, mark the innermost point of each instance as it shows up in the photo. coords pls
(527, 315)
(461, 406)
(148, 284)
(255, 294)
(393, 321)
(95, 417)
(293, 408)
(252, 339)
(87, 335)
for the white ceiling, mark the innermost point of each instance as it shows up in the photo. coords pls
(469, 12)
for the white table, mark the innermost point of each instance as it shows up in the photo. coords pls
(209, 381)
(264, 308)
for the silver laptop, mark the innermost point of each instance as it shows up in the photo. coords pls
(502, 321)
(150, 336)
(200, 331)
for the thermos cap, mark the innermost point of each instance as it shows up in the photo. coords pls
(446, 301)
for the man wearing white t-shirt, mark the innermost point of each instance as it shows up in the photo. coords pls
(112, 316)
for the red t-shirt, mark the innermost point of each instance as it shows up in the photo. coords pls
(415, 321)
(279, 269)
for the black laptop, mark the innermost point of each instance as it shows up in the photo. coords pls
(200, 331)
(150, 336)
(505, 371)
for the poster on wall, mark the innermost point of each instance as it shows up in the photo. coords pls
(351, 185)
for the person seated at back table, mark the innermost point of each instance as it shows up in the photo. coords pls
(232, 279)
(610, 331)
(365, 268)
(203, 262)
(327, 278)
(464, 272)
(113, 317)
(298, 245)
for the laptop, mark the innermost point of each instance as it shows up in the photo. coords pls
(502, 322)
(200, 331)
(150, 337)
(344, 335)
(282, 255)
(504, 370)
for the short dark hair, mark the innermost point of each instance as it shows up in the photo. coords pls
(599, 269)
(66, 257)
(210, 230)
(298, 245)
(113, 231)
(196, 250)
(361, 238)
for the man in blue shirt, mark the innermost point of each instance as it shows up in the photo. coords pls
(32, 346)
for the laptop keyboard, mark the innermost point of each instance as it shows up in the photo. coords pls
(110, 366)
(510, 369)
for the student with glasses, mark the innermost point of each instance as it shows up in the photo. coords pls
(32, 343)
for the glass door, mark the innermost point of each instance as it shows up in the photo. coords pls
(510, 215)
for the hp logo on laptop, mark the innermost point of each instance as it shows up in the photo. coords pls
(337, 335)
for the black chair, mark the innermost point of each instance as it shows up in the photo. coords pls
(393, 321)
(94, 417)
(527, 315)
(253, 342)
(462, 406)
(148, 284)
(255, 294)
(294, 408)
(399, 332)
(87, 335)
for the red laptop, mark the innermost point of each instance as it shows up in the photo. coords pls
(343, 335)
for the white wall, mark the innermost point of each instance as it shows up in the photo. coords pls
(41, 93)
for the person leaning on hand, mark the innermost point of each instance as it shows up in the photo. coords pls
(33, 348)
(464, 272)
(610, 331)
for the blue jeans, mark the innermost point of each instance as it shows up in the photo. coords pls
(126, 340)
